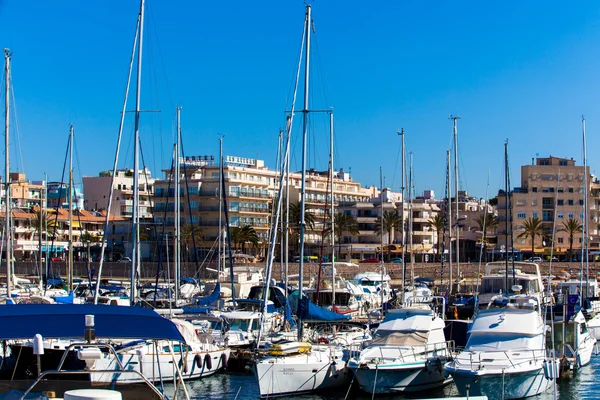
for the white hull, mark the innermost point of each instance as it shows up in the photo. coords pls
(501, 386)
(401, 378)
(193, 365)
(302, 373)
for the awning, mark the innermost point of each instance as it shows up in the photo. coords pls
(75, 224)
(53, 248)
(24, 321)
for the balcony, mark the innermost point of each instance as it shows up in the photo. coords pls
(250, 195)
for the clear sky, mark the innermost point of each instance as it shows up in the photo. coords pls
(522, 71)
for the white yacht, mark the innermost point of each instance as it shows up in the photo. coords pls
(372, 284)
(407, 354)
(494, 281)
(505, 356)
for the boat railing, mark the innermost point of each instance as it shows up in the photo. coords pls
(476, 361)
(442, 348)
(121, 369)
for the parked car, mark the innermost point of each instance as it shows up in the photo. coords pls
(125, 259)
(554, 259)
(535, 259)
(369, 260)
(396, 260)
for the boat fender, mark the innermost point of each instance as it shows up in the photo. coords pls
(182, 365)
(224, 361)
(208, 361)
(198, 361)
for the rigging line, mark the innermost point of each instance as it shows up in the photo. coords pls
(320, 69)
(396, 165)
(189, 206)
(160, 55)
(19, 148)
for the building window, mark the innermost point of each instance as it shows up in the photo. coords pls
(581, 216)
(560, 215)
(534, 215)
(581, 202)
(560, 202)
(561, 240)
(534, 189)
(570, 202)
(571, 190)
(562, 163)
(544, 162)
(521, 215)
(571, 215)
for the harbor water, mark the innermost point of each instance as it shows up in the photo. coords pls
(242, 386)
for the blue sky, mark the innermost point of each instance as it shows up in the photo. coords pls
(522, 71)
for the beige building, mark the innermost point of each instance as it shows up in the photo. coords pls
(551, 187)
(96, 190)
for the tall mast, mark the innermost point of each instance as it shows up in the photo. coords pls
(457, 228)
(332, 209)
(381, 234)
(449, 216)
(135, 218)
(410, 218)
(220, 209)
(70, 205)
(286, 223)
(403, 240)
(506, 212)
(176, 209)
(7, 214)
(585, 225)
(304, 144)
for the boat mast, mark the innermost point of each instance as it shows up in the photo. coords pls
(449, 215)
(456, 227)
(381, 234)
(332, 209)
(304, 144)
(410, 218)
(7, 214)
(221, 253)
(506, 212)
(585, 227)
(135, 220)
(403, 240)
(70, 205)
(176, 209)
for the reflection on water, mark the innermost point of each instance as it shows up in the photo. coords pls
(243, 386)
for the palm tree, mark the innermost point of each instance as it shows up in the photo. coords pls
(38, 223)
(572, 226)
(391, 221)
(490, 222)
(244, 235)
(294, 227)
(437, 223)
(88, 237)
(344, 224)
(192, 236)
(533, 227)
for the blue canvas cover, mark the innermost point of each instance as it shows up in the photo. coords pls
(212, 298)
(308, 310)
(24, 321)
(69, 299)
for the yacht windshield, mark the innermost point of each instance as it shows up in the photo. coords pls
(490, 342)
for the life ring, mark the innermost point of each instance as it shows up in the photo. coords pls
(224, 361)
(323, 340)
(208, 361)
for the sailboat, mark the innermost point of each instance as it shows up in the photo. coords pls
(299, 367)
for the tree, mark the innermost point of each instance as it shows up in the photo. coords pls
(294, 227)
(243, 235)
(490, 222)
(192, 236)
(572, 226)
(533, 227)
(38, 223)
(391, 222)
(88, 237)
(437, 223)
(343, 224)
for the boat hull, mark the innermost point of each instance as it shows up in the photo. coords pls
(284, 376)
(193, 365)
(390, 379)
(501, 386)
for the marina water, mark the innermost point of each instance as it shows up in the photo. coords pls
(243, 386)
